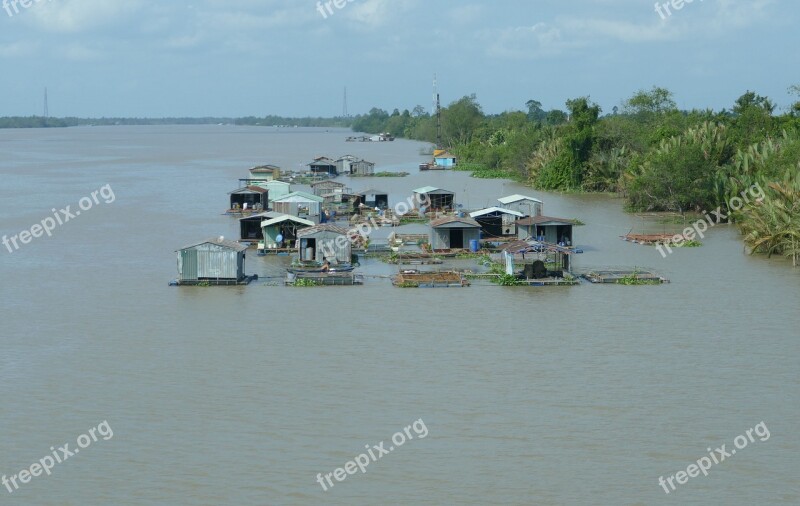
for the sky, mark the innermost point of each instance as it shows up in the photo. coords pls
(231, 58)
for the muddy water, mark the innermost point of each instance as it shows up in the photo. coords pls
(573, 395)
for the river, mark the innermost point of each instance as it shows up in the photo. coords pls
(242, 395)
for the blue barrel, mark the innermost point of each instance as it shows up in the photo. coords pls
(474, 245)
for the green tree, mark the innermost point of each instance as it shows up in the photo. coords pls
(460, 120)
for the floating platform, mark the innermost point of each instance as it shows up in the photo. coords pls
(417, 279)
(413, 258)
(554, 281)
(653, 239)
(623, 277)
(327, 279)
(214, 282)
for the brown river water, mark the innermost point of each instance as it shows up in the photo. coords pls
(242, 395)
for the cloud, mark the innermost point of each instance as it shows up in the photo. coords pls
(527, 42)
(374, 14)
(75, 16)
(466, 14)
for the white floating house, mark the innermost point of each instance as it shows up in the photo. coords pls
(497, 222)
(214, 261)
(528, 206)
(298, 204)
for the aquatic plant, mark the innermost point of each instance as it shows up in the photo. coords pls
(634, 280)
(508, 280)
(304, 282)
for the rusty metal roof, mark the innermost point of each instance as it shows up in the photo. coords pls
(544, 220)
(468, 222)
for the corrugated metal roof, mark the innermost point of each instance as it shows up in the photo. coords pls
(249, 189)
(268, 215)
(516, 198)
(300, 196)
(372, 191)
(426, 189)
(329, 183)
(322, 228)
(544, 220)
(225, 244)
(455, 219)
(445, 154)
(286, 217)
(265, 168)
(275, 182)
(490, 210)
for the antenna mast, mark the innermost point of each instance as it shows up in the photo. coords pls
(46, 110)
(438, 105)
(344, 108)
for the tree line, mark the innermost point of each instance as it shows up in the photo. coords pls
(659, 158)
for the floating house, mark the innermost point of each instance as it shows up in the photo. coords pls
(434, 199)
(250, 226)
(250, 197)
(298, 204)
(355, 166)
(497, 222)
(443, 158)
(284, 226)
(535, 266)
(324, 166)
(373, 198)
(528, 206)
(264, 173)
(546, 229)
(214, 261)
(454, 232)
(277, 189)
(324, 242)
(321, 188)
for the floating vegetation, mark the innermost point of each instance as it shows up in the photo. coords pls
(633, 279)
(304, 282)
(688, 244)
(508, 280)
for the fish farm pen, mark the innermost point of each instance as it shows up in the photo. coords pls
(444, 279)
(624, 277)
(324, 279)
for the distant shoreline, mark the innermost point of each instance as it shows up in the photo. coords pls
(14, 122)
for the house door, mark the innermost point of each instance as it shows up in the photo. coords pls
(457, 238)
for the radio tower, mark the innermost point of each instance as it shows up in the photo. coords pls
(344, 108)
(46, 110)
(438, 107)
